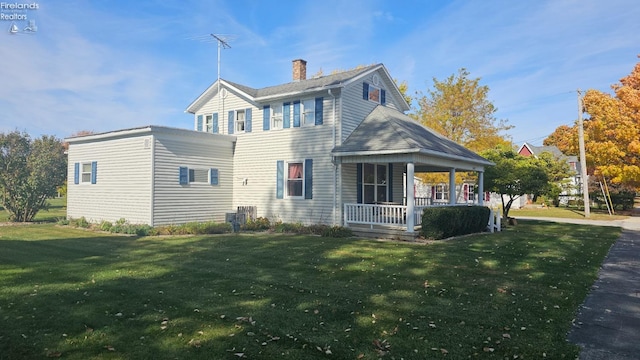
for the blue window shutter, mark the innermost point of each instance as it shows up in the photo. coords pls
(213, 176)
(215, 123)
(286, 115)
(94, 169)
(231, 121)
(296, 113)
(76, 173)
(184, 175)
(365, 91)
(383, 97)
(359, 182)
(390, 182)
(247, 120)
(266, 114)
(319, 111)
(199, 124)
(280, 179)
(308, 178)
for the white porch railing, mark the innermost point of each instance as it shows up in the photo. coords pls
(395, 215)
(380, 214)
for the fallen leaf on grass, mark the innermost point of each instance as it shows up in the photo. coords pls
(54, 354)
(194, 343)
(109, 347)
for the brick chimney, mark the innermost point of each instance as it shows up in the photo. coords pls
(299, 70)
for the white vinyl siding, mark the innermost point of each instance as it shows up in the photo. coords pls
(255, 170)
(122, 189)
(197, 201)
(231, 102)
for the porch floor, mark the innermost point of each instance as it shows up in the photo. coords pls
(385, 232)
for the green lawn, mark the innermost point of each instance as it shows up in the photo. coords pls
(57, 210)
(566, 213)
(76, 294)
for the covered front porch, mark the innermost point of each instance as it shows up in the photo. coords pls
(378, 163)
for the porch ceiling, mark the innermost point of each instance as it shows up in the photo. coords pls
(387, 135)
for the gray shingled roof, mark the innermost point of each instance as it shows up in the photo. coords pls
(386, 130)
(550, 149)
(304, 85)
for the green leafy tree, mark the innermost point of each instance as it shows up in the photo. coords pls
(514, 176)
(459, 109)
(30, 172)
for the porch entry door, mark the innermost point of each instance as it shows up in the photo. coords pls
(375, 183)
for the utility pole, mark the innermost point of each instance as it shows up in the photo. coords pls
(583, 160)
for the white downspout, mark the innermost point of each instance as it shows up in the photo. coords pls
(335, 166)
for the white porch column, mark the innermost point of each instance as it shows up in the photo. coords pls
(452, 186)
(410, 197)
(481, 188)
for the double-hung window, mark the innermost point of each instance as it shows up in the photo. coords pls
(276, 117)
(189, 175)
(309, 112)
(295, 179)
(441, 192)
(375, 183)
(208, 123)
(85, 172)
(240, 121)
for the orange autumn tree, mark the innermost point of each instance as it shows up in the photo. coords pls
(612, 132)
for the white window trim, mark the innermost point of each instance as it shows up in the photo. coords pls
(207, 125)
(236, 121)
(375, 183)
(206, 171)
(303, 112)
(82, 172)
(374, 87)
(286, 179)
(273, 117)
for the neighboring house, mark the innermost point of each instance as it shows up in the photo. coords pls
(334, 149)
(572, 184)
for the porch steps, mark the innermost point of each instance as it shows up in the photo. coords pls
(379, 232)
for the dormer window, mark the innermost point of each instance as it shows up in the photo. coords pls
(373, 93)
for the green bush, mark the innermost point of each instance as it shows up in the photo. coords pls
(106, 226)
(82, 222)
(297, 228)
(337, 232)
(258, 224)
(63, 221)
(447, 221)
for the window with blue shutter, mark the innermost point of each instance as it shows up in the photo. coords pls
(266, 116)
(216, 129)
(199, 123)
(280, 179)
(365, 91)
(247, 120)
(383, 96)
(76, 173)
(296, 113)
(184, 175)
(286, 115)
(308, 179)
(319, 103)
(213, 176)
(359, 183)
(94, 170)
(231, 121)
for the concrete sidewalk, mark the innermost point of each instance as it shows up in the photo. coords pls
(608, 322)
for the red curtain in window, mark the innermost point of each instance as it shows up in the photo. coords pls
(295, 171)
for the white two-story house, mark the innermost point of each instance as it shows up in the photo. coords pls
(335, 149)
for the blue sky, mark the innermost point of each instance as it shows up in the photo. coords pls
(107, 65)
